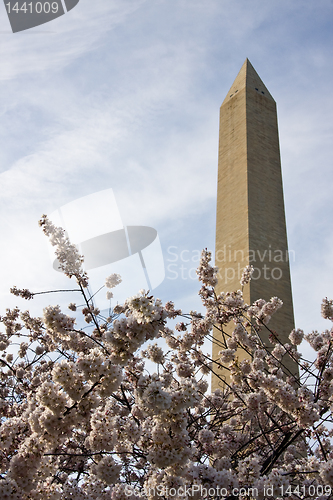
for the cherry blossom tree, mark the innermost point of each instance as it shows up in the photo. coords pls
(81, 417)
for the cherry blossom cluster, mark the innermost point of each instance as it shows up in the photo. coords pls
(69, 259)
(327, 309)
(82, 418)
(247, 274)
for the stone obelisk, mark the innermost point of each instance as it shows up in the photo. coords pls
(250, 223)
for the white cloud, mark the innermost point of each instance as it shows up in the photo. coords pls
(55, 45)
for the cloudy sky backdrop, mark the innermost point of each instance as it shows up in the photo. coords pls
(125, 94)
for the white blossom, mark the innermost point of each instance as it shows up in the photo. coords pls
(247, 274)
(82, 417)
(113, 280)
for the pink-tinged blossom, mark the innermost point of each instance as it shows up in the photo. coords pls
(69, 259)
(296, 336)
(25, 293)
(57, 322)
(207, 274)
(113, 280)
(247, 275)
(262, 311)
(327, 309)
(107, 470)
(227, 355)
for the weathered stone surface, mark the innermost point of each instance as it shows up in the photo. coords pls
(250, 224)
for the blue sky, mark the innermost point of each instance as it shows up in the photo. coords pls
(125, 94)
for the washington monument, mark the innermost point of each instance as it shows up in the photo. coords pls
(250, 220)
